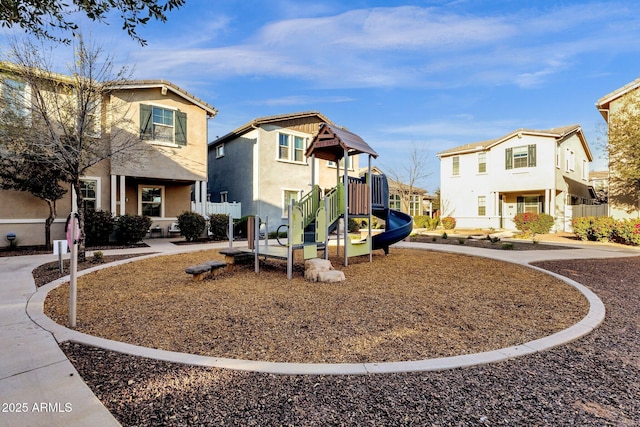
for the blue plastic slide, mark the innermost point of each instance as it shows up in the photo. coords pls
(398, 226)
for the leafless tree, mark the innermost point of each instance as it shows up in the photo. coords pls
(67, 122)
(407, 178)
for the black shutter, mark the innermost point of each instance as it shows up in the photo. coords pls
(145, 122)
(520, 205)
(181, 128)
(531, 155)
(508, 158)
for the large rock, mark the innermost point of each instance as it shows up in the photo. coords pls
(321, 270)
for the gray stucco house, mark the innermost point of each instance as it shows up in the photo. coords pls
(262, 165)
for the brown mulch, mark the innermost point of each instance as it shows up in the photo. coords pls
(590, 382)
(412, 304)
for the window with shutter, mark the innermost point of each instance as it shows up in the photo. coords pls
(163, 125)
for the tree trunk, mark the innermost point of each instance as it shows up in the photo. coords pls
(82, 252)
(47, 224)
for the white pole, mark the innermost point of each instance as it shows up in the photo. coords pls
(73, 292)
(230, 231)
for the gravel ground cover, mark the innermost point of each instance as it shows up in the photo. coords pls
(590, 382)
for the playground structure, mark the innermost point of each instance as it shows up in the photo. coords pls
(318, 213)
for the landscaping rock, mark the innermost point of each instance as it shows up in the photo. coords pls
(313, 267)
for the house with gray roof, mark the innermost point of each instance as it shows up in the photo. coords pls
(485, 184)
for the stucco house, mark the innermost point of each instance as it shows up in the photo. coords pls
(485, 184)
(623, 203)
(160, 178)
(405, 198)
(262, 165)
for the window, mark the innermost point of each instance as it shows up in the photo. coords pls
(220, 151)
(570, 160)
(520, 157)
(394, 202)
(89, 190)
(530, 204)
(414, 205)
(456, 165)
(162, 125)
(15, 97)
(287, 197)
(151, 201)
(291, 148)
(585, 170)
(482, 162)
(482, 205)
(349, 163)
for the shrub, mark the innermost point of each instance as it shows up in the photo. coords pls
(432, 223)
(191, 225)
(240, 227)
(628, 231)
(420, 221)
(131, 229)
(603, 228)
(353, 225)
(533, 223)
(448, 223)
(98, 257)
(444, 235)
(219, 226)
(98, 226)
(507, 246)
(582, 227)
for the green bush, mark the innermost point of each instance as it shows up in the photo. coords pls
(219, 226)
(420, 221)
(507, 246)
(353, 225)
(533, 223)
(432, 223)
(582, 227)
(131, 229)
(191, 225)
(603, 228)
(628, 232)
(98, 226)
(448, 223)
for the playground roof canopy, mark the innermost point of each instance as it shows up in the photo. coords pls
(331, 142)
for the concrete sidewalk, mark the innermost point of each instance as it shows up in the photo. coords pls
(40, 387)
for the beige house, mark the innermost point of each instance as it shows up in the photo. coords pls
(262, 165)
(611, 106)
(405, 198)
(485, 184)
(159, 178)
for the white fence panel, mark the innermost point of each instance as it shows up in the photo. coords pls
(205, 209)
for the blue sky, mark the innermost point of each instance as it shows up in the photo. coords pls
(426, 74)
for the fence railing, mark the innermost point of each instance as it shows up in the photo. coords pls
(578, 211)
(205, 209)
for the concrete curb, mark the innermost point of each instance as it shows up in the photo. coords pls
(595, 316)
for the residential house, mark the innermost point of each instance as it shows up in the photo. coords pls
(599, 181)
(404, 197)
(167, 169)
(612, 107)
(485, 184)
(262, 165)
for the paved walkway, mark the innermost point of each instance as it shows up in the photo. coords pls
(40, 387)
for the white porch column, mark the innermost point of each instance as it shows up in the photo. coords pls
(203, 192)
(123, 195)
(196, 198)
(114, 194)
(549, 201)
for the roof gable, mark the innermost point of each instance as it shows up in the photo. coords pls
(603, 103)
(331, 142)
(558, 133)
(281, 119)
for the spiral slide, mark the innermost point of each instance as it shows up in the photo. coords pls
(398, 226)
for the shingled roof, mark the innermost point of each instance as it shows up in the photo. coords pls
(556, 133)
(331, 142)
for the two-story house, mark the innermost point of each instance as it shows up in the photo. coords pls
(262, 165)
(167, 169)
(485, 184)
(621, 110)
